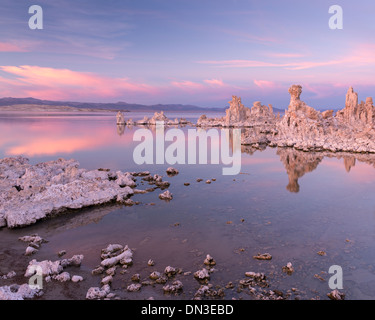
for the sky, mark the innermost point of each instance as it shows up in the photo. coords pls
(198, 52)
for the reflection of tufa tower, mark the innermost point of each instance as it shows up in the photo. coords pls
(120, 129)
(349, 162)
(297, 163)
(120, 121)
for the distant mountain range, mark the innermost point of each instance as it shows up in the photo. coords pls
(32, 104)
(85, 106)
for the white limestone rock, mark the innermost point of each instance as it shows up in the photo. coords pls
(202, 274)
(76, 278)
(96, 293)
(19, 292)
(29, 193)
(124, 257)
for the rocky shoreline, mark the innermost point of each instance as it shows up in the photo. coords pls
(117, 264)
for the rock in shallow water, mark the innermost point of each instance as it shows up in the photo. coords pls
(166, 195)
(29, 193)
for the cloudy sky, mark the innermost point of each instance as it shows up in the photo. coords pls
(191, 52)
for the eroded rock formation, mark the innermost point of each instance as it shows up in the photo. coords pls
(357, 115)
(305, 128)
(302, 127)
(120, 119)
(237, 115)
(29, 193)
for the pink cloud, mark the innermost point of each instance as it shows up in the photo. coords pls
(51, 83)
(214, 82)
(284, 55)
(362, 55)
(265, 84)
(241, 63)
(187, 85)
(11, 47)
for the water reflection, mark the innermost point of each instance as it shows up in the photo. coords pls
(68, 136)
(297, 163)
(120, 129)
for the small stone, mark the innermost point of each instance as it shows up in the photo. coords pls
(76, 279)
(172, 171)
(318, 277)
(136, 277)
(208, 181)
(106, 280)
(209, 261)
(161, 280)
(336, 295)
(62, 277)
(154, 275)
(288, 268)
(263, 256)
(97, 270)
(150, 263)
(170, 271)
(61, 253)
(134, 287)
(111, 271)
(174, 287)
(202, 274)
(30, 251)
(129, 202)
(166, 195)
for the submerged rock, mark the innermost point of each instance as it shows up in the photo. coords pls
(9, 275)
(166, 195)
(336, 295)
(115, 255)
(202, 275)
(263, 256)
(30, 251)
(172, 171)
(170, 271)
(288, 268)
(96, 293)
(174, 287)
(134, 287)
(209, 261)
(155, 275)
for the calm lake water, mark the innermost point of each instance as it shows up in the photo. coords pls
(288, 203)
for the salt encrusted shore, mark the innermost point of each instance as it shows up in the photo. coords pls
(116, 264)
(29, 193)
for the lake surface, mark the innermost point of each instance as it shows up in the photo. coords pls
(288, 203)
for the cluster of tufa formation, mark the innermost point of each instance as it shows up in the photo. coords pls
(237, 115)
(304, 128)
(157, 118)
